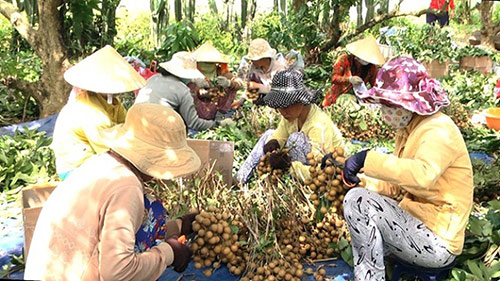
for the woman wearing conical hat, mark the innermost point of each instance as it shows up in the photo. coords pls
(214, 66)
(93, 106)
(358, 64)
(169, 88)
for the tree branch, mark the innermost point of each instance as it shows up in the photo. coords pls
(385, 17)
(28, 89)
(18, 20)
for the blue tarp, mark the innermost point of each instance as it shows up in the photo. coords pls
(46, 125)
(337, 270)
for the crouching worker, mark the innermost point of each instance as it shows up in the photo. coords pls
(86, 230)
(93, 106)
(430, 162)
(303, 128)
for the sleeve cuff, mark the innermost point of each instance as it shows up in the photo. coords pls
(167, 253)
(373, 163)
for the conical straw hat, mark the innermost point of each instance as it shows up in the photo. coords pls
(182, 65)
(208, 53)
(367, 49)
(106, 72)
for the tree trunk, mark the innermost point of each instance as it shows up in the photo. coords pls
(109, 21)
(297, 4)
(370, 10)
(50, 91)
(178, 10)
(213, 7)
(192, 10)
(384, 7)
(283, 6)
(159, 19)
(488, 27)
(244, 10)
(359, 13)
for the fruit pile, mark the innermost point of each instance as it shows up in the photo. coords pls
(264, 166)
(215, 93)
(253, 95)
(326, 184)
(457, 112)
(366, 130)
(217, 242)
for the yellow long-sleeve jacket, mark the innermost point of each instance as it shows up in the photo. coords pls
(321, 131)
(76, 133)
(432, 164)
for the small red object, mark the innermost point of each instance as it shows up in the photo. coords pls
(182, 239)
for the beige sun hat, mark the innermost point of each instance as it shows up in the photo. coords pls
(182, 65)
(367, 49)
(105, 72)
(259, 49)
(208, 53)
(153, 139)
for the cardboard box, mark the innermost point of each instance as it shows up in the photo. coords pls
(33, 199)
(220, 154)
(437, 69)
(482, 64)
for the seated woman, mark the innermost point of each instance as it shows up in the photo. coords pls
(169, 88)
(93, 106)
(303, 128)
(213, 65)
(77, 133)
(358, 64)
(86, 229)
(430, 162)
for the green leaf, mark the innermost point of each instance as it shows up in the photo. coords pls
(474, 268)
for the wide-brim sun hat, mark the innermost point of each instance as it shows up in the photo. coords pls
(208, 53)
(183, 65)
(259, 49)
(367, 49)
(105, 72)
(287, 88)
(153, 139)
(404, 82)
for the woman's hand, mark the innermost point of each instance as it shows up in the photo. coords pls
(280, 160)
(182, 254)
(271, 146)
(253, 86)
(352, 167)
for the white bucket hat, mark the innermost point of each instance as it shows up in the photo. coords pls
(259, 49)
(104, 72)
(182, 65)
(153, 139)
(367, 49)
(208, 53)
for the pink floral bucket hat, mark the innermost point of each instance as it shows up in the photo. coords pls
(404, 83)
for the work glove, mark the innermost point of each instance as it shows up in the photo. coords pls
(187, 223)
(182, 254)
(352, 167)
(226, 122)
(201, 83)
(280, 160)
(355, 80)
(271, 145)
(222, 81)
(327, 160)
